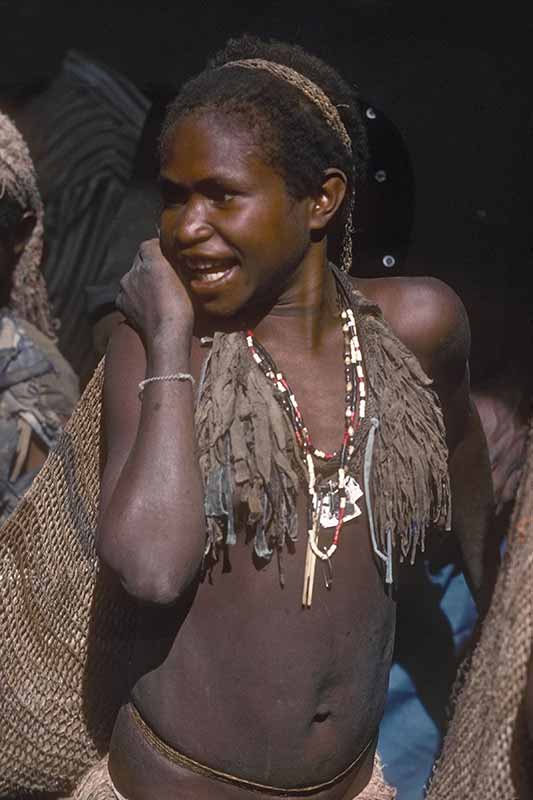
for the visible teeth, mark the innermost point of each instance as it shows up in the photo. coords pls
(211, 276)
(203, 266)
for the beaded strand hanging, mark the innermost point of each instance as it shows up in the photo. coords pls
(324, 499)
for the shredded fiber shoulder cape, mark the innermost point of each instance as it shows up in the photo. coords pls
(66, 630)
(487, 751)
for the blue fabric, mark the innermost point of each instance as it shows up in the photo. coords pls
(435, 621)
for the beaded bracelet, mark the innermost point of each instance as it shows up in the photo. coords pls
(179, 376)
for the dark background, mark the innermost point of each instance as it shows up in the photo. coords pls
(455, 79)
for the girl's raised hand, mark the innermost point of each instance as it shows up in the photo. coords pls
(152, 297)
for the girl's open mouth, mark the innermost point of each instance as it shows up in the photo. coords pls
(210, 277)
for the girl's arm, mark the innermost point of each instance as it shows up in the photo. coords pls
(151, 530)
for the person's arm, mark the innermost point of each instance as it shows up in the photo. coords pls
(430, 319)
(504, 410)
(151, 531)
(445, 350)
(472, 495)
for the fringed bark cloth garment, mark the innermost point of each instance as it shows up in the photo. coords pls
(97, 785)
(487, 752)
(247, 449)
(66, 632)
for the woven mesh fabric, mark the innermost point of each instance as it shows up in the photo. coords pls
(487, 752)
(96, 785)
(59, 687)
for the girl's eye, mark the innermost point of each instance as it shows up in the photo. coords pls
(220, 196)
(173, 195)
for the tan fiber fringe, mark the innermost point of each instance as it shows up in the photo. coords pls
(378, 788)
(410, 481)
(29, 295)
(487, 752)
(96, 785)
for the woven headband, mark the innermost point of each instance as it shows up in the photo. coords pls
(313, 92)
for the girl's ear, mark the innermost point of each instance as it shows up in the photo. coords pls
(328, 201)
(22, 232)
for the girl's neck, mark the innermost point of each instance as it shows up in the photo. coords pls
(303, 313)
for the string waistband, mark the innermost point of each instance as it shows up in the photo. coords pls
(190, 764)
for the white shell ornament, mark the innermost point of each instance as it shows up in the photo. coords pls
(329, 503)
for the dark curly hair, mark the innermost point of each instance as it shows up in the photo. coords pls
(290, 130)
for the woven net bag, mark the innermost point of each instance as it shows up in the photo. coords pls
(487, 752)
(65, 631)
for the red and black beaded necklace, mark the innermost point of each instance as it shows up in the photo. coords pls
(321, 498)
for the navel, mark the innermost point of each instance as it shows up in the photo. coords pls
(322, 714)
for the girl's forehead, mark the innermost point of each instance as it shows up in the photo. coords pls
(209, 141)
(210, 127)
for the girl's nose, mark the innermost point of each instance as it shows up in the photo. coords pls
(192, 224)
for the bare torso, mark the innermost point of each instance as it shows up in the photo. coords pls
(251, 684)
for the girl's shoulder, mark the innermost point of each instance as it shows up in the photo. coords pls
(426, 315)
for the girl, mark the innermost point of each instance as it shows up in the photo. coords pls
(237, 694)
